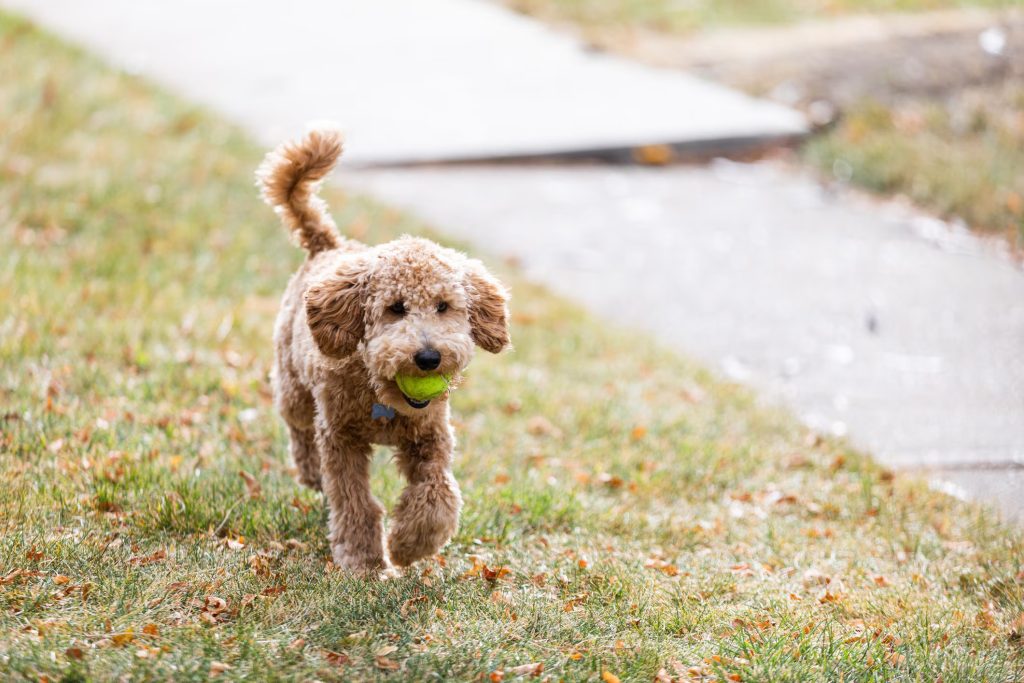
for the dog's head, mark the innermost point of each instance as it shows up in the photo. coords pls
(408, 307)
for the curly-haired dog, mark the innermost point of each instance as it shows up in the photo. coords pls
(353, 317)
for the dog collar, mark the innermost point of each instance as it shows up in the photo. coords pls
(380, 410)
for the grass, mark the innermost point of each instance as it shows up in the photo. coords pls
(686, 16)
(625, 512)
(962, 158)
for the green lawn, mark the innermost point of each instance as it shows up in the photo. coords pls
(625, 512)
(923, 149)
(685, 16)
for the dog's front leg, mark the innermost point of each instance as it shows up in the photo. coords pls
(356, 526)
(427, 513)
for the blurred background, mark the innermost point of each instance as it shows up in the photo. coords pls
(822, 199)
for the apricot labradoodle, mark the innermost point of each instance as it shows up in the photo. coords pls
(353, 317)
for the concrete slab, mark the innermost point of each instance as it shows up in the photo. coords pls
(870, 320)
(412, 80)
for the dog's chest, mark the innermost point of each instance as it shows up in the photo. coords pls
(383, 428)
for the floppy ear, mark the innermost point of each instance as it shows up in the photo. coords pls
(488, 308)
(334, 310)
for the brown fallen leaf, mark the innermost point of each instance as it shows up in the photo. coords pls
(653, 155)
(386, 664)
(538, 425)
(12, 577)
(533, 669)
(74, 652)
(252, 487)
(214, 604)
(827, 596)
(500, 598)
(122, 639)
(336, 658)
(385, 650)
(142, 560)
(411, 603)
(151, 630)
(217, 668)
(895, 658)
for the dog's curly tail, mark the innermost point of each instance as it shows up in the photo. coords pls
(289, 178)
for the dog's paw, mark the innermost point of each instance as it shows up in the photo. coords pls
(312, 481)
(390, 573)
(363, 565)
(409, 542)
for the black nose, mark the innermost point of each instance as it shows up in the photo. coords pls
(427, 359)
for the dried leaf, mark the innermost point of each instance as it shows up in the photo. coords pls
(538, 425)
(496, 573)
(217, 668)
(386, 664)
(336, 658)
(385, 650)
(653, 155)
(10, 578)
(252, 487)
(215, 605)
(895, 658)
(500, 598)
(410, 603)
(142, 560)
(122, 639)
(534, 669)
(609, 677)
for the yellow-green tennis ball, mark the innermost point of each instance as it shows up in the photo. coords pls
(423, 388)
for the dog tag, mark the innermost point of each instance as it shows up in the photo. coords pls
(380, 410)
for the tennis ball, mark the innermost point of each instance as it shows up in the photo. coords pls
(423, 388)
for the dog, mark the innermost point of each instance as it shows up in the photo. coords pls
(353, 317)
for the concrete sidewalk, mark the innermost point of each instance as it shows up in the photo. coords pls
(412, 80)
(868, 320)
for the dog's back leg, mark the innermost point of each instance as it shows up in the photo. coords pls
(302, 444)
(295, 403)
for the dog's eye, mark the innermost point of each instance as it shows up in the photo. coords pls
(442, 307)
(398, 308)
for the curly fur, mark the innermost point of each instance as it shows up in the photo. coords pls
(339, 346)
